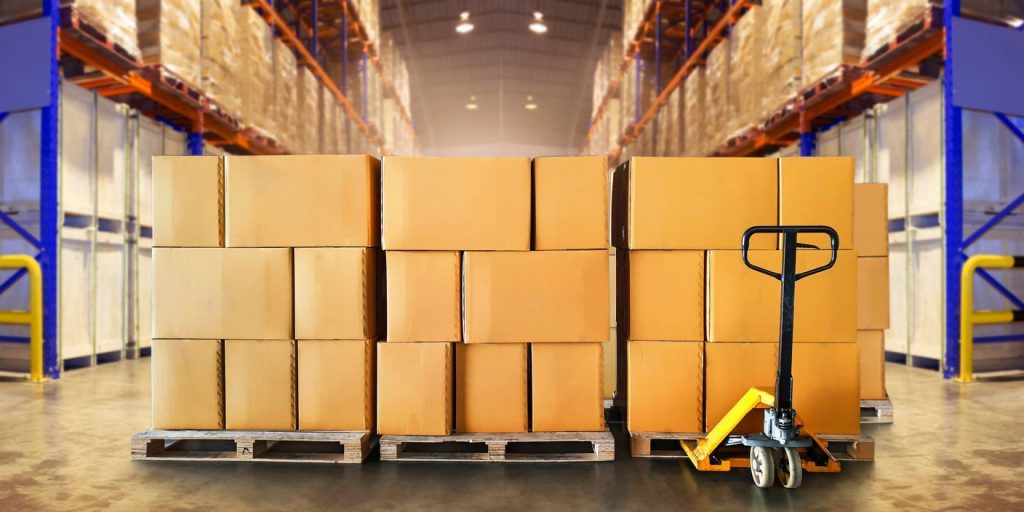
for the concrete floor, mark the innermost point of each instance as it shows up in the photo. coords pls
(64, 445)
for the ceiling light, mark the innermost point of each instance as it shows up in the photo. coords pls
(530, 105)
(537, 25)
(464, 26)
(472, 104)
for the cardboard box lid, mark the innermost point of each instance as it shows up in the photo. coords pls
(566, 387)
(872, 293)
(490, 388)
(666, 386)
(743, 305)
(222, 293)
(872, 365)
(424, 296)
(570, 202)
(414, 388)
(302, 201)
(336, 384)
(187, 387)
(260, 384)
(335, 293)
(818, 191)
(871, 219)
(699, 203)
(539, 296)
(188, 201)
(456, 203)
(666, 295)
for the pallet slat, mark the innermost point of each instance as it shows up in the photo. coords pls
(253, 446)
(876, 411)
(499, 447)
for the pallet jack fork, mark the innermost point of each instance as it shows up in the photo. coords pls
(785, 447)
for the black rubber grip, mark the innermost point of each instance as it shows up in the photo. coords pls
(1018, 261)
(1018, 315)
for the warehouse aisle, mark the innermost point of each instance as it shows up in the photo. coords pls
(65, 446)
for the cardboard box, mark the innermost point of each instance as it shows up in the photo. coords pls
(666, 295)
(336, 384)
(188, 201)
(744, 305)
(666, 386)
(222, 293)
(187, 392)
(566, 387)
(259, 384)
(414, 388)
(490, 388)
(456, 204)
(872, 293)
(818, 191)
(538, 296)
(570, 203)
(871, 219)
(826, 383)
(872, 365)
(696, 203)
(424, 296)
(302, 201)
(335, 293)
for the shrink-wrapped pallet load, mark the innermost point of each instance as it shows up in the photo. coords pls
(694, 125)
(220, 54)
(256, 83)
(781, 56)
(308, 116)
(716, 98)
(833, 36)
(286, 98)
(169, 36)
(746, 76)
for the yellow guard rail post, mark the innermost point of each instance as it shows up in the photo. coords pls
(33, 317)
(969, 317)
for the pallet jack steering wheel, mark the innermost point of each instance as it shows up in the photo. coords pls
(776, 449)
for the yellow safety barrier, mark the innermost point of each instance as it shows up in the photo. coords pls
(969, 317)
(33, 318)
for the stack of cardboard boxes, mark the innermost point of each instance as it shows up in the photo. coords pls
(264, 292)
(871, 240)
(488, 332)
(697, 327)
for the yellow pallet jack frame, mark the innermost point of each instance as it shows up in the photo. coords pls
(701, 452)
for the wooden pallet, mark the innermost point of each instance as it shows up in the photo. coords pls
(876, 411)
(510, 447)
(160, 74)
(253, 446)
(73, 23)
(665, 445)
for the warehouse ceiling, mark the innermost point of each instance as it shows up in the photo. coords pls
(501, 63)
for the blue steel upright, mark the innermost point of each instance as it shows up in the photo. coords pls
(49, 190)
(953, 209)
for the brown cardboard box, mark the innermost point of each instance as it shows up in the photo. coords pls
(188, 201)
(570, 203)
(456, 203)
(336, 384)
(698, 203)
(490, 388)
(566, 387)
(335, 293)
(666, 386)
(666, 295)
(537, 296)
(818, 191)
(424, 296)
(872, 293)
(259, 384)
(187, 392)
(302, 201)
(222, 293)
(872, 365)
(414, 388)
(871, 219)
(743, 305)
(826, 383)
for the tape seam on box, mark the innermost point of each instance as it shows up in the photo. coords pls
(457, 316)
(220, 384)
(220, 201)
(294, 384)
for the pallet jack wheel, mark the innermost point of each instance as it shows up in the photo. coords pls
(762, 466)
(789, 468)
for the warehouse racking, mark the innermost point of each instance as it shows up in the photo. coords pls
(80, 128)
(848, 112)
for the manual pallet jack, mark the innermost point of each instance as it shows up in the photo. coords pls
(785, 447)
